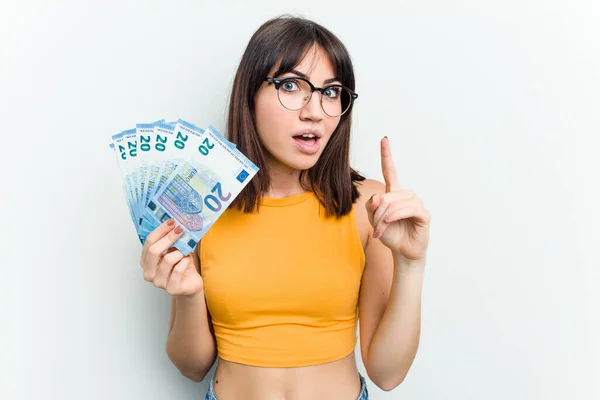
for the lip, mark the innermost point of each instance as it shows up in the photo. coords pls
(305, 147)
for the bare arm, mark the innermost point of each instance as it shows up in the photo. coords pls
(191, 345)
(390, 316)
(389, 307)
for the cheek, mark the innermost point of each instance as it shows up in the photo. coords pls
(272, 119)
(329, 126)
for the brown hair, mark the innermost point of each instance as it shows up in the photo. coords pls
(286, 40)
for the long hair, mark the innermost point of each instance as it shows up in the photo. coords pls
(286, 40)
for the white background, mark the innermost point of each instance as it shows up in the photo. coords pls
(492, 109)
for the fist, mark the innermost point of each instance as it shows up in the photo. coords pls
(166, 267)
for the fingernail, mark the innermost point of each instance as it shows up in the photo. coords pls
(178, 230)
(170, 222)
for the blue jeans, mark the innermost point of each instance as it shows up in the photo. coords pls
(363, 395)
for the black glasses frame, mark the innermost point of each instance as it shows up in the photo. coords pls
(278, 81)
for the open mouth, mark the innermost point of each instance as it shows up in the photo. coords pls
(309, 138)
(308, 143)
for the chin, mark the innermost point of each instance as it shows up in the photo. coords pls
(301, 163)
(305, 162)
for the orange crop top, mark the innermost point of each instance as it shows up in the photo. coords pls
(282, 284)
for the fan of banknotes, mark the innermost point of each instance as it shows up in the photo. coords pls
(178, 170)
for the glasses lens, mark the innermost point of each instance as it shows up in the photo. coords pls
(336, 100)
(294, 93)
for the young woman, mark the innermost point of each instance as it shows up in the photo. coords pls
(309, 248)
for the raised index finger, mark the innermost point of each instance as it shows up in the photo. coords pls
(387, 166)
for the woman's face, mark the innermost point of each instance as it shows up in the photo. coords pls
(283, 132)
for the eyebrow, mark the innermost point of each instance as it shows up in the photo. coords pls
(326, 81)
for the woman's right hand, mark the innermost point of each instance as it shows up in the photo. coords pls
(166, 267)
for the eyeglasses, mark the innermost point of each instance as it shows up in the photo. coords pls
(295, 92)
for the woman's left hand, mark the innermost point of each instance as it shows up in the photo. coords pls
(398, 217)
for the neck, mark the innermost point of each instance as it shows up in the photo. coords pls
(284, 181)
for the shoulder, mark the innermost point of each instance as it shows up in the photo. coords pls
(368, 188)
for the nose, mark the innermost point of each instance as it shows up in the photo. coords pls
(313, 110)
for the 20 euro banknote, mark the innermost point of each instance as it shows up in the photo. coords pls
(202, 186)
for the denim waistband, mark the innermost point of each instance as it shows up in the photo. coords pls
(363, 395)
